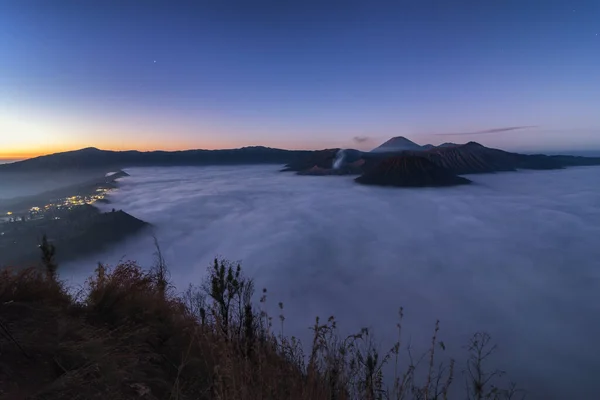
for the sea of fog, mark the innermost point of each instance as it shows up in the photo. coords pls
(514, 254)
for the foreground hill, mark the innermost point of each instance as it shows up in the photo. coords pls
(91, 158)
(410, 171)
(76, 232)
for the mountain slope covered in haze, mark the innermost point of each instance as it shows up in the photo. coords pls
(76, 233)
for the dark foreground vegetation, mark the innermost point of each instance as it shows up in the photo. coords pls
(128, 335)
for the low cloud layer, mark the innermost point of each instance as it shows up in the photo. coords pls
(361, 139)
(515, 254)
(486, 131)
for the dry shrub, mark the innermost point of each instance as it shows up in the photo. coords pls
(128, 336)
(31, 285)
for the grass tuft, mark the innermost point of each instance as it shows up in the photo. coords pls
(127, 335)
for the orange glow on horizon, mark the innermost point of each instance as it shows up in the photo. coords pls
(18, 154)
(48, 133)
(32, 153)
(24, 152)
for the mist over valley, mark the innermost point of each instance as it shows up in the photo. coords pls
(514, 254)
(189, 188)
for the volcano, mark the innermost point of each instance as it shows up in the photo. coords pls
(410, 171)
(398, 143)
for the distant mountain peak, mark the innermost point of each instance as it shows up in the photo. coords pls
(448, 144)
(397, 140)
(398, 143)
(85, 150)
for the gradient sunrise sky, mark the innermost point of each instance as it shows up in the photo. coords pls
(297, 74)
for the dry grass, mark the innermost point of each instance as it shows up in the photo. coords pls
(128, 335)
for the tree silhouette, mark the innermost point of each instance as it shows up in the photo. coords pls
(48, 252)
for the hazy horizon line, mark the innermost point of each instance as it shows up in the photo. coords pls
(521, 149)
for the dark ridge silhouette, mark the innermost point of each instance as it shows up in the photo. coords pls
(320, 159)
(348, 168)
(410, 171)
(461, 159)
(448, 144)
(91, 157)
(575, 161)
(470, 158)
(473, 158)
(322, 163)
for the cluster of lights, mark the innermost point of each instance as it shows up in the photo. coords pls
(69, 202)
(81, 200)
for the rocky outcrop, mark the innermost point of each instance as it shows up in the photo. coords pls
(321, 159)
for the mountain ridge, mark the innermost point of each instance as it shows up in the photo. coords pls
(467, 158)
(91, 157)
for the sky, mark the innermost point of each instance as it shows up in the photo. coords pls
(297, 74)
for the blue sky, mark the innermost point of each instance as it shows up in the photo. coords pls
(297, 74)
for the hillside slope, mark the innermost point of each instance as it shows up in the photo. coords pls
(82, 231)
